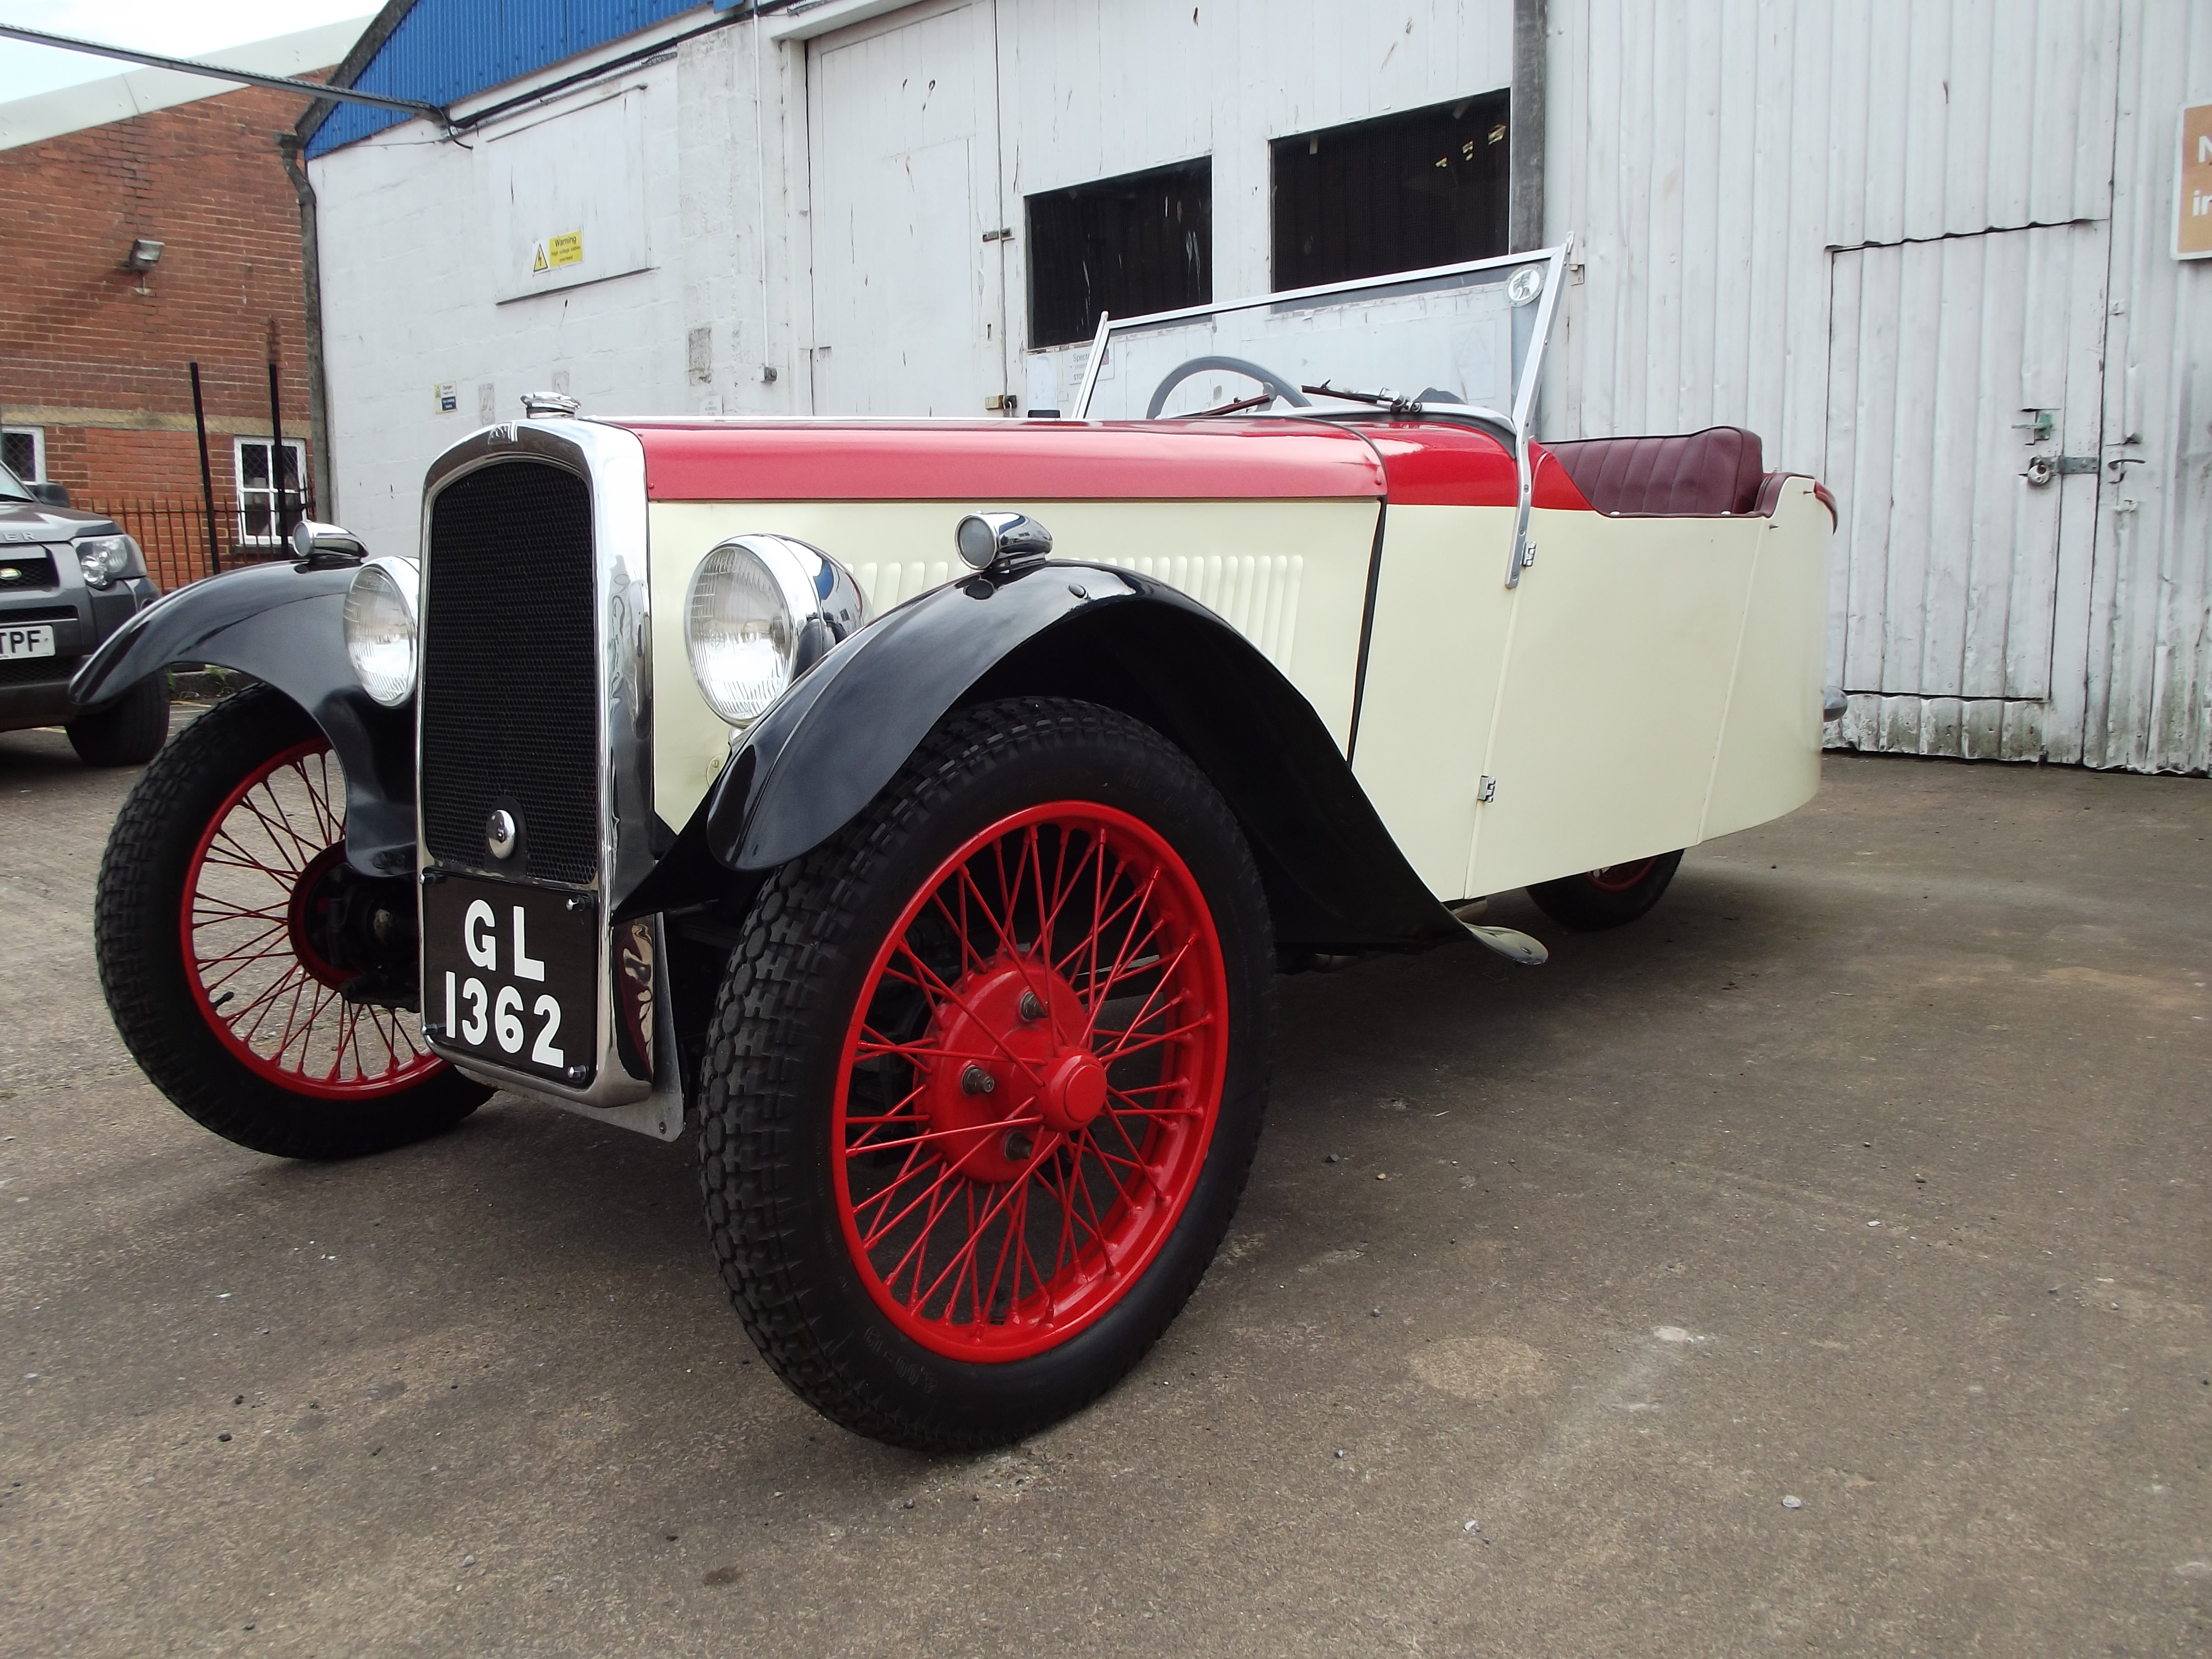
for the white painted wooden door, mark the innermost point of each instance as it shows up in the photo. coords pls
(1964, 386)
(909, 302)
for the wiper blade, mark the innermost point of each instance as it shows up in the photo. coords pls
(1234, 406)
(1385, 398)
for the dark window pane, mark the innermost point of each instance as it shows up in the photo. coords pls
(21, 452)
(1131, 245)
(254, 466)
(1429, 187)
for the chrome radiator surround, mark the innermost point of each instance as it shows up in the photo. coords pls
(611, 462)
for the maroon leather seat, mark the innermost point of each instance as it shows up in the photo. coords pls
(1716, 471)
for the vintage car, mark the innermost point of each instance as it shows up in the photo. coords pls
(921, 810)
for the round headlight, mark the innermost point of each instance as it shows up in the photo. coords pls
(763, 610)
(741, 629)
(104, 558)
(380, 630)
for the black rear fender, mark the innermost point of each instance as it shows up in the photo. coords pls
(1335, 879)
(283, 624)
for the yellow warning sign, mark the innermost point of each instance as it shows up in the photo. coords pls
(566, 248)
(538, 263)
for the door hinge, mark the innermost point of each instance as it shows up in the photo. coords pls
(1522, 555)
(1487, 790)
(1004, 233)
(1004, 404)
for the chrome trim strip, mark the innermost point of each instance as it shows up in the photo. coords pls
(611, 460)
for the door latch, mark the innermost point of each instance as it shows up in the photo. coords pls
(2042, 468)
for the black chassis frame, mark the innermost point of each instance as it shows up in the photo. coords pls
(1336, 882)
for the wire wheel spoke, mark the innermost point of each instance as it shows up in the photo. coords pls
(1030, 1081)
(255, 902)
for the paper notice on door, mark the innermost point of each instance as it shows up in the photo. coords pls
(2192, 206)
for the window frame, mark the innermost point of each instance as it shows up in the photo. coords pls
(37, 435)
(267, 498)
(1493, 106)
(1198, 170)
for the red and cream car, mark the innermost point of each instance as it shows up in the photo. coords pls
(921, 810)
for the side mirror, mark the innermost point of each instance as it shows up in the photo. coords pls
(53, 495)
(326, 545)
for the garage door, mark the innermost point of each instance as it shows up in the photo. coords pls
(1964, 412)
(909, 303)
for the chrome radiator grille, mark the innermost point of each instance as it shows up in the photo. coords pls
(510, 695)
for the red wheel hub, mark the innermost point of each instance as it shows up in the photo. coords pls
(308, 914)
(1031, 1082)
(1024, 1024)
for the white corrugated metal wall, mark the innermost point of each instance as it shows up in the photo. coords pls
(1730, 167)
(2150, 644)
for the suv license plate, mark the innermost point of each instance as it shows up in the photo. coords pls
(29, 639)
(511, 973)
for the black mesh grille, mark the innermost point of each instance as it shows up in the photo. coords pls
(30, 670)
(31, 571)
(510, 678)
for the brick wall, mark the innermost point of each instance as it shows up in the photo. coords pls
(101, 367)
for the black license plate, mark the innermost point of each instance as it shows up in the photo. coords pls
(512, 974)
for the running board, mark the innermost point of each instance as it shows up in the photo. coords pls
(1510, 943)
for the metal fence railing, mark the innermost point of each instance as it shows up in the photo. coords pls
(174, 531)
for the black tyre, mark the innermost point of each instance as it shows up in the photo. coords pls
(129, 732)
(1599, 899)
(229, 927)
(986, 1076)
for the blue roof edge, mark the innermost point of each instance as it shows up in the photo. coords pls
(444, 51)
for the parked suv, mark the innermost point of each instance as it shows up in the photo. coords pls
(68, 580)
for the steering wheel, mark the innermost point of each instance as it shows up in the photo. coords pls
(1183, 371)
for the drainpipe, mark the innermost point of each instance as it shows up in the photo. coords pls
(1525, 221)
(311, 279)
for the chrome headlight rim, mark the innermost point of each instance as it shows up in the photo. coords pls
(382, 624)
(108, 560)
(820, 603)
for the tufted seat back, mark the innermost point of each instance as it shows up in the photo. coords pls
(1716, 471)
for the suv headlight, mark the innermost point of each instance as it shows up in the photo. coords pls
(763, 610)
(106, 559)
(380, 628)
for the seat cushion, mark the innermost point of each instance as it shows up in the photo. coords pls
(1716, 471)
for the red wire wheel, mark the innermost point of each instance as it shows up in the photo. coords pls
(258, 893)
(987, 1074)
(226, 920)
(1619, 877)
(1029, 1082)
(1611, 896)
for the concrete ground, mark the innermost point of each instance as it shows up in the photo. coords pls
(1818, 1265)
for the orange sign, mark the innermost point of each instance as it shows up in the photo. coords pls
(2192, 205)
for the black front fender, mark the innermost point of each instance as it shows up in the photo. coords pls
(283, 624)
(1335, 879)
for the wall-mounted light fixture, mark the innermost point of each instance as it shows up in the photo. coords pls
(145, 254)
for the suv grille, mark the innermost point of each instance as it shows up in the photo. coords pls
(510, 672)
(22, 572)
